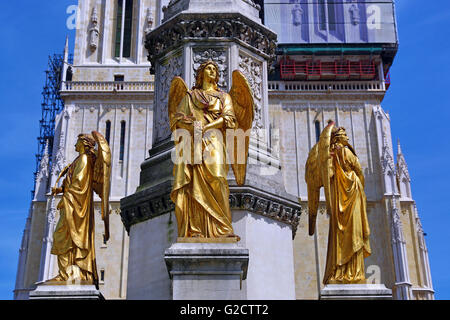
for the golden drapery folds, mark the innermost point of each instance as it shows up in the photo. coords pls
(200, 190)
(73, 238)
(333, 164)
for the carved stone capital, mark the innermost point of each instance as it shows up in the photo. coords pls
(190, 27)
(138, 208)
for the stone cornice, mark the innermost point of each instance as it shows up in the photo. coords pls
(110, 96)
(325, 96)
(138, 208)
(191, 27)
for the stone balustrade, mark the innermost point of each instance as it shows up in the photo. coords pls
(107, 86)
(327, 86)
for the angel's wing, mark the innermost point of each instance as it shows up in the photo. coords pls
(314, 183)
(243, 105)
(177, 92)
(325, 162)
(318, 171)
(102, 177)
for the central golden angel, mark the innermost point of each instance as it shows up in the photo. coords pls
(200, 190)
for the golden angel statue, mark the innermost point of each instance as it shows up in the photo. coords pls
(200, 190)
(73, 239)
(332, 163)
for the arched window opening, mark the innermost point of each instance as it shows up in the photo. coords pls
(317, 127)
(108, 131)
(124, 28)
(122, 140)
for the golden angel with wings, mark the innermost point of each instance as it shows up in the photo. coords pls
(200, 190)
(332, 164)
(73, 239)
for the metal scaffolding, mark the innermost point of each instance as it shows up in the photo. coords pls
(52, 104)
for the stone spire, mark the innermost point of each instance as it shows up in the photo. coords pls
(399, 147)
(42, 176)
(66, 62)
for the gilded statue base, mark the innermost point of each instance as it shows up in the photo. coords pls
(65, 290)
(355, 292)
(209, 240)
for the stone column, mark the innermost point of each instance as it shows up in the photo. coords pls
(264, 215)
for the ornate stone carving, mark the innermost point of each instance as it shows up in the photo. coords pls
(149, 20)
(397, 226)
(43, 172)
(217, 55)
(387, 161)
(355, 16)
(145, 210)
(51, 214)
(167, 70)
(204, 27)
(142, 210)
(297, 13)
(94, 31)
(252, 69)
(59, 160)
(267, 207)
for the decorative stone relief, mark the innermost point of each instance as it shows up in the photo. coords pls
(297, 13)
(219, 56)
(149, 21)
(259, 204)
(168, 36)
(402, 168)
(387, 161)
(167, 70)
(51, 215)
(43, 172)
(355, 16)
(94, 31)
(59, 160)
(252, 69)
(397, 226)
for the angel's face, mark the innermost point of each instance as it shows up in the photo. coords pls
(79, 146)
(210, 73)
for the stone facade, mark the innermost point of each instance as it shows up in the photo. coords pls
(400, 257)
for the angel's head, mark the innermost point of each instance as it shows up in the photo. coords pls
(339, 135)
(208, 71)
(85, 143)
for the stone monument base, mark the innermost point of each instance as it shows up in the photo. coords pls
(65, 291)
(355, 292)
(207, 271)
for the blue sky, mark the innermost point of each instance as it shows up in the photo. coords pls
(418, 102)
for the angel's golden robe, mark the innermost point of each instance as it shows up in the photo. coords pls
(200, 191)
(348, 242)
(73, 239)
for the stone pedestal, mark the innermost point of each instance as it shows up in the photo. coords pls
(207, 271)
(65, 292)
(355, 292)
